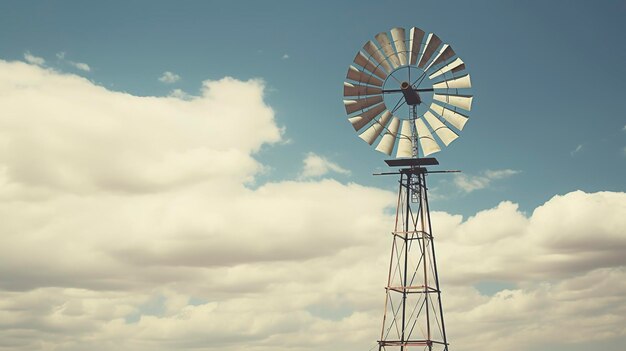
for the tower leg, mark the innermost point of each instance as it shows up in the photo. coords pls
(413, 317)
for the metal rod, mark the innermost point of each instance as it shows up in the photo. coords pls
(432, 247)
(406, 255)
(400, 90)
(423, 208)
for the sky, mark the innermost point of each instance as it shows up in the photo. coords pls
(182, 176)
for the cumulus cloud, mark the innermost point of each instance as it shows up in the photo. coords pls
(126, 224)
(317, 166)
(35, 60)
(470, 183)
(180, 94)
(169, 77)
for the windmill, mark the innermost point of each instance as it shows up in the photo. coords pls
(409, 93)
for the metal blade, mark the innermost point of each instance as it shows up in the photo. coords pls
(359, 90)
(439, 53)
(454, 64)
(427, 142)
(444, 56)
(416, 36)
(371, 133)
(399, 41)
(390, 52)
(362, 60)
(363, 77)
(444, 133)
(455, 83)
(364, 118)
(389, 139)
(432, 43)
(405, 145)
(458, 68)
(355, 105)
(374, 52)
(456, 119)
(461, 101)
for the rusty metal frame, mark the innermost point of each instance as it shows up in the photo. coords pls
(419, 301)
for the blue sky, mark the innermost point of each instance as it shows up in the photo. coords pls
(548, 79)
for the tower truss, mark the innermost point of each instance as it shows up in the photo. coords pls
(413, 317)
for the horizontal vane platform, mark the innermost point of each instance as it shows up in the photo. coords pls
(406, 162)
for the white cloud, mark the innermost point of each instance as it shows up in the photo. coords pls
(80, 65)
(470, 183)
(126, 224)
(181, 94)
(577, 149)
(169, 77)
(35, 60)
(285, 57)
(317, 166)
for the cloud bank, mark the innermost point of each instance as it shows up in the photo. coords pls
(127, 224)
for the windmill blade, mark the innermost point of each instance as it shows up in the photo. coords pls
(373, 51)
(444, 56)
(364, 62)
(364, 118)
(432, 43)
(399, 41)
(458, 68)
(454, 64)
(456, 119)
(359, 90)
(371, 133)
(461, 101)
(405, 145)
(455, 83)
(389, 51)
(427, 142)
(389, 139)
(439, 53)
(416, 36)
(355, 105)
(444, 133)
(363, 77)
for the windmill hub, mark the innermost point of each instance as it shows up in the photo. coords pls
(411, 96)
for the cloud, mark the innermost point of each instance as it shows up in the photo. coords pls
(285, 57)
(317, 166)
(180, 94)
(469, 183)
(80, 65)
(169, 77)
(127, 224)
(35, 60)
